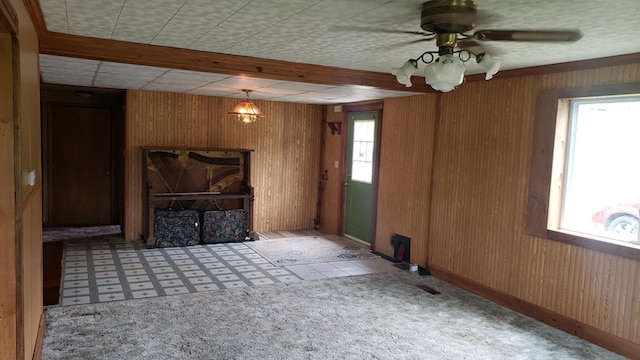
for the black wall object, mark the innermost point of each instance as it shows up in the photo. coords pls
(401, 247)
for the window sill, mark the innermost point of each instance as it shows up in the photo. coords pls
(618, 248)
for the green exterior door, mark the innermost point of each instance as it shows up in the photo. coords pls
(360, 175)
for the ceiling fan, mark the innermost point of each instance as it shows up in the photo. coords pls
(449, 23)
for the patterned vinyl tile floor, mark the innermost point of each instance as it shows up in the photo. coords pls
(98, 271)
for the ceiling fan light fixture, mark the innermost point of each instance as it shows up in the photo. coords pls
(489, 63)
(403, 74)
(246, 111)
(445, 73)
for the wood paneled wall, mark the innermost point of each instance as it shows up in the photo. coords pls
(406, 151)
(286, 141)
(20, 204)
(30, 158)
(8, 273)
(480, 182)
(331, 200)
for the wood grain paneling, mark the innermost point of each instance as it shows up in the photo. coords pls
(28, 199)
(405, 173)
(286, 144)
(330, 218)
(80, 171)
(8, 310)
(480, 187)
(32, 269)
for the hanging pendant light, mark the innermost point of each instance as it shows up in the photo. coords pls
(246, 111)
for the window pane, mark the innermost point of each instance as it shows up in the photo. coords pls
(363, 141)
(361, 171)
(602, 190)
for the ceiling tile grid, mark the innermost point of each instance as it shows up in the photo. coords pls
(141, 21)
(83, 18)
(55, 15)
(194, 20)
(80, 72)
(308, 31)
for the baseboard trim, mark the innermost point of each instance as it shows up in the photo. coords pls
(37, 351)
(599, 337)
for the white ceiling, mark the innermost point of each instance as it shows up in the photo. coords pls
(305, 31)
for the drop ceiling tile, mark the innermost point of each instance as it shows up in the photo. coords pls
(176, 87)
(141, 21)
(210, 92)
(295, 86)
(194, 20)
(406, 12)
(185, 75)
(133, 70)
(316, 96)
(66, 77)
(271, 11)
(335, 10)
(249, 21)
(273, 91)
(66, 63)
(85, 20)
(120, 83)
(112, 78)
(55, 15)
(181, 83)
(301, 31)
(243, 82)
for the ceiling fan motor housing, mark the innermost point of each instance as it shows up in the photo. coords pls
(449, 16)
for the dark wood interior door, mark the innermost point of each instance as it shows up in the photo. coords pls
(80, 166)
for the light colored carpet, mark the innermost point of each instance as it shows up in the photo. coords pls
(379, 316)
(310, 250)
(290, 233)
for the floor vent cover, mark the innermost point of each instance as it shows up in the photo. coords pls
(430, 290)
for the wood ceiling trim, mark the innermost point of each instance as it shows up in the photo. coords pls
(562, 67)
(10, 18)
(176, 58)
(35, 13)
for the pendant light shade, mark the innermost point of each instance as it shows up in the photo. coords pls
(246, 111)
(445, 73)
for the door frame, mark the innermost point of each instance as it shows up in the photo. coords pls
(347, 109)
(111, 100)
(11, 290)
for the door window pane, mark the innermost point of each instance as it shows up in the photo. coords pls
(363, 140)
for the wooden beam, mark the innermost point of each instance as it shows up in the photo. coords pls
(626, 59)
(161, 56)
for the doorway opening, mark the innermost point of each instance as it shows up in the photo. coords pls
(83, 171)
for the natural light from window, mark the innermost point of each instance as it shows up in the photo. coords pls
(601, 193)
(363, 142)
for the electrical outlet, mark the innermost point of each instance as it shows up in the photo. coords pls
(336, 164)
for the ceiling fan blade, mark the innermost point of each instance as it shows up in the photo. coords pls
(528, 35)
(476, 48)
(400, 44)
(471, 46)
(374, 29)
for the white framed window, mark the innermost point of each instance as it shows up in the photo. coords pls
(598, 175)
